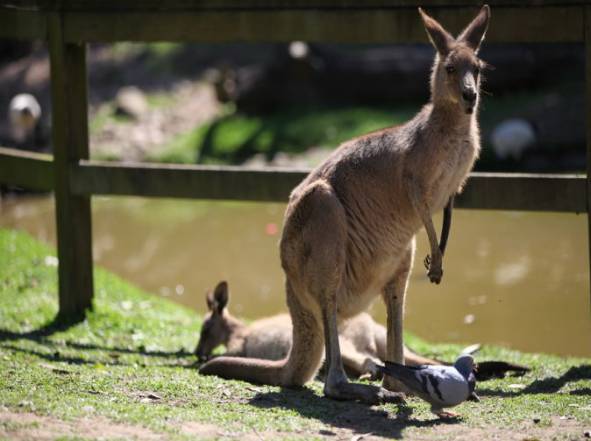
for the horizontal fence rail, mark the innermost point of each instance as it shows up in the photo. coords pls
(30, 170)
(327, 25)
(250, 20)
(496, 191)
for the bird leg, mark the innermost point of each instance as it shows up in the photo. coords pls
(446, 414)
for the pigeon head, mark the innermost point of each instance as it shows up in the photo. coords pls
(465, 365)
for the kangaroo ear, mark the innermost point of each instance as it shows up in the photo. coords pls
(475, 31)
(210, 300)
(221, 296)
(439, 37)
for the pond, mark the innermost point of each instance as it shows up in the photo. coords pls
(510, 278)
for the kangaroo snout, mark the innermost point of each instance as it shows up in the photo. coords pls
(469, 96)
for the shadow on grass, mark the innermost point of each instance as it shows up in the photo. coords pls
(58, 324)
(546, 385)
(351, 415)
(41, 336)
(56, 354)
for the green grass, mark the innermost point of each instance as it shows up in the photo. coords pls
(134, 344)
(234, 137)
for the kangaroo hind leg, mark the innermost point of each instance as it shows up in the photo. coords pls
(305, 354)
(394, 293)
(320, 268)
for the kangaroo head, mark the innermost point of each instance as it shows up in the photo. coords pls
(217, 324)
(456, 75)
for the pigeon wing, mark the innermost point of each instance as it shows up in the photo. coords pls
(410, 376)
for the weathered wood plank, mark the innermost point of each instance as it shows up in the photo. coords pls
(22, 24)
(552, 24)
(184, 181)
(188, 5)
(527, 192)
(33, 171)
(502, 191)
(70, 141)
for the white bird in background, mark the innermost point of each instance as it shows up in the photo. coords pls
(24, 113)
(440, 386)
(512, 138)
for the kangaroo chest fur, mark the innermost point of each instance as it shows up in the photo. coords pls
(372, 177)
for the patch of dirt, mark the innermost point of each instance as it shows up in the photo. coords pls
(558, 429)
(192, 104)
(28, 426)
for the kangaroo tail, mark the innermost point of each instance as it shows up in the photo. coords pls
(254, 370)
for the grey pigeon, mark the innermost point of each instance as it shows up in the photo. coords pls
(441, 386)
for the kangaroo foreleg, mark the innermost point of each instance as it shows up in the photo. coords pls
(435, 260)
(445, 228)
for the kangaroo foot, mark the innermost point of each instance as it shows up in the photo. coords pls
(361, 392)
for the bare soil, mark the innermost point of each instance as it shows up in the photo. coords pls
(29, 426)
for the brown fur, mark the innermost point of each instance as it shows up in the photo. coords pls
(362, 340)
(350, 225)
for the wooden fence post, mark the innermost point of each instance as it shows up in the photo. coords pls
(587, 36)
(70, 144)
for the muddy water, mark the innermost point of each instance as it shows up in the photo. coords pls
(515, 279)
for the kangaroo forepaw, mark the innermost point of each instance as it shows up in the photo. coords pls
(435, 275)
(427, 261)
(435, 271)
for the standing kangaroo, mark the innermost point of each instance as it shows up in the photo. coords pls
(350, 225)
(362, 340)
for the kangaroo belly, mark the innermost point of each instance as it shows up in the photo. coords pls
(269, 338)
(368, 273)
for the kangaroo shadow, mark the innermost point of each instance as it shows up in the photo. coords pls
(360, 418)
(546, 385)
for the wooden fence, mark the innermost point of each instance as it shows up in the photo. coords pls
(68, 25)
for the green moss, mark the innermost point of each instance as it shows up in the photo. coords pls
(134, 346)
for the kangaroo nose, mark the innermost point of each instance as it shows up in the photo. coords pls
(469, 96)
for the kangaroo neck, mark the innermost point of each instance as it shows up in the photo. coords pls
(236, 330)
(446, 115)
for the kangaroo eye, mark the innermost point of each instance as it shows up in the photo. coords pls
(450, 69)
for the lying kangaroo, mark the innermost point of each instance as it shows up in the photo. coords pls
(362, 340)
(350, 225)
